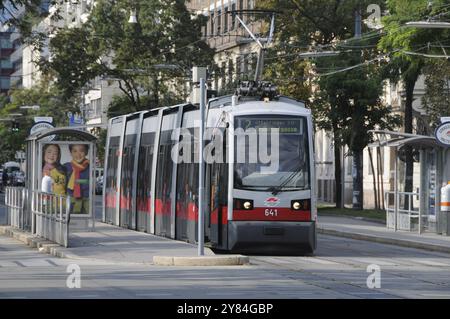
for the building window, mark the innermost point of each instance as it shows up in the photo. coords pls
(222, 74)
(245, 66)
(233, 16)
(6, 44)
(252, 61)
(239, 67)
(4, 83)
(225, 20)
(211, 24)
(230, 71)
(219, 22)
(349, 165)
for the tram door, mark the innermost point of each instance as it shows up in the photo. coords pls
(111, 180)
(112, 169)
(216, 177)
(127, 213)
(126, 186)
(144, 181)
(164, 174)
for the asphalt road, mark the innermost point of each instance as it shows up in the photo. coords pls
(338, 270)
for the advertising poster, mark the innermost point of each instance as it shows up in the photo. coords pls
(66, 170)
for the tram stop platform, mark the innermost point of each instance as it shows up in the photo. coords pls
(355, 228)
(123, 246)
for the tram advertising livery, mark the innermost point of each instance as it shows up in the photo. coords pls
(259, 173)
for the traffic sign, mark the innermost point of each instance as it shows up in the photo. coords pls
(75, 119)
(38, 119)
(42, 126)
(442, 134)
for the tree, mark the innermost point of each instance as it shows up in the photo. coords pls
(150, 59)
(349, 104)
(436, 99)
(51, 104)
(324, 25)
(287, 72)
(402, 43)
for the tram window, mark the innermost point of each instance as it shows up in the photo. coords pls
(164, 168)
(112, 164)
(145, 171)
(187, 178)
(127, 168)
(292, 169)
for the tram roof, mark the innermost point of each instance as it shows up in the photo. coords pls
(226, 100)
(223, 101)
(155, 110)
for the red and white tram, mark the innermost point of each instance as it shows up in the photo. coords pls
(251, 206)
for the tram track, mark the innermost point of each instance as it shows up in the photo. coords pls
(330, 269)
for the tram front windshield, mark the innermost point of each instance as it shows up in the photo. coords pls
(271, 153)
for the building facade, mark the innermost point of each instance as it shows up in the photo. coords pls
(6, 67)
(98, 93)
(236, 52)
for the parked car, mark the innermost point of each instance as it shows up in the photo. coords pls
(10, 169)
(18, 178)
(99, 185)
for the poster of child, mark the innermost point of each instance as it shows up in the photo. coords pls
(53, 173)
(78, 178)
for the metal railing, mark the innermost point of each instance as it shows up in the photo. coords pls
(15, 198)
(401, 211)
(51, 216)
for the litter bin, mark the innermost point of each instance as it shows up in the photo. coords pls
(445, 208)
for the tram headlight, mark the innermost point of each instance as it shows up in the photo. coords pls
(243, 204)
(247, 205)
(296, 205)
(301, 204)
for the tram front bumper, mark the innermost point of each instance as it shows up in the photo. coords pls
(275, 238)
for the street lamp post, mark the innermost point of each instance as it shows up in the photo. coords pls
(133, 17)
(318, 54)
(33, 107)
(428, 24)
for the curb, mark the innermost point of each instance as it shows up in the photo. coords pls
(366, 219)
(42, 245)
(48, 247)
(233, 260)
(386, 240)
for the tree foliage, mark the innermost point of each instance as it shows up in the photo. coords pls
(345, 103)
(436, 99)
(51, 104)
(406, 46)
(148, 59)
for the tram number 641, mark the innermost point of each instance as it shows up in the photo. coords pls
(271, 212)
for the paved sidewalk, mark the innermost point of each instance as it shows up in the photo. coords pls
(119, 244)
(376, 232)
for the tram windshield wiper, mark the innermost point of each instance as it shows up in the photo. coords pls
(277, 189)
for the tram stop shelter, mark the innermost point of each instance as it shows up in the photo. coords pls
(60, 183)
(418, 210)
